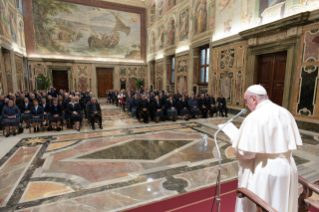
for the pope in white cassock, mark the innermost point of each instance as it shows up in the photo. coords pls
(264, 147)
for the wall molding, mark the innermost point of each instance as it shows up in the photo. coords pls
(227, 41)
(276, 26)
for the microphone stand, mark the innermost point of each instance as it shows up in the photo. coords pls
(218, 200)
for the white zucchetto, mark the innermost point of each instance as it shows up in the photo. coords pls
(257, 89)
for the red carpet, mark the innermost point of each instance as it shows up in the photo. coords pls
(197, 201)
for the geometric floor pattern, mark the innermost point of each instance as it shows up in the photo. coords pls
(125, 165)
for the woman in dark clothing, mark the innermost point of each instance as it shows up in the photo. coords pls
(73, 111)
(184, 108)
(10, 118)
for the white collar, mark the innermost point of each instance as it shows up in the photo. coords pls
(262, 103)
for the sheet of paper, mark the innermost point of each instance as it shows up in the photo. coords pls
(230, 130)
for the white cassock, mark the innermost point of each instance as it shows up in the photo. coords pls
(264, 147)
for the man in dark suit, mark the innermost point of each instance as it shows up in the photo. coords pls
(212, 105)
(61, 102)
(143, 107)
(171, 108)
(19, 100)
(56, 114)
(94, 110)
(53, 92)
(25, 111)
(203, 106)
(222, 105)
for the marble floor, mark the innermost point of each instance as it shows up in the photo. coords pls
(122, 166)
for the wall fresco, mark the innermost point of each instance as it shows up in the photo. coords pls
(98, 33)
(183, 25)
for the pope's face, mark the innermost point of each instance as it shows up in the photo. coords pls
(250, 101)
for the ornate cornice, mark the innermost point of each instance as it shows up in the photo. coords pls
(276, 26)
(226, 41)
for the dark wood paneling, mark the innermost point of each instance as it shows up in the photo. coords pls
(271, 75)
(29, 27)
(104, 80)
(60, 80)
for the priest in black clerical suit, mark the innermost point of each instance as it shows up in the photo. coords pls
(203, 106)
(143, 106)
(212, 105)
(222, 105)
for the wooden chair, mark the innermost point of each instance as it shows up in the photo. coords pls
(262, 206)
(69, 126)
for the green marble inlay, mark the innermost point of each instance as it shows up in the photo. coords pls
(138, 150)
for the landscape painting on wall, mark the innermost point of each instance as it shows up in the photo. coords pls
(72, 29)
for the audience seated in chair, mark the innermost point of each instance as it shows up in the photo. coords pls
(25, 111)
(10, 118)
(73, 110)
(81, 103)
(183, 108)
(193, 106)
(203, 106)
(56, 115)
(222, 105)
(212, 105)
(46, 110)
(143, 107)
(36, 116)
(94, 111)
(157, 107)
(171, 108)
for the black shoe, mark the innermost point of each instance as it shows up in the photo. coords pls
(34, 130)
(79, 129)
(93, 128)
(48, 129)
(101, 127)
(7, 135)
(226, 116)
(14, 133)
(59, 129)
(38, 129)
(27, 127)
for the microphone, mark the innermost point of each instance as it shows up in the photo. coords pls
(243, 111)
